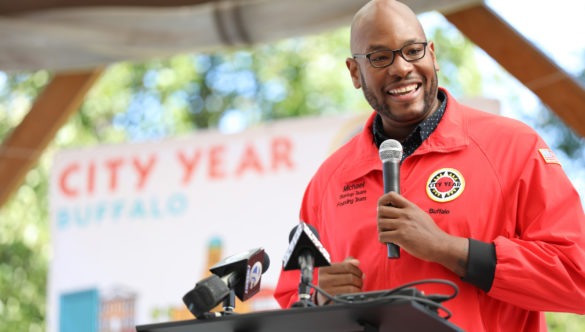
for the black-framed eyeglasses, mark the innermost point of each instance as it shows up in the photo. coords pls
(384, 58)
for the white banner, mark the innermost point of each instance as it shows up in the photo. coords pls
(135, 226)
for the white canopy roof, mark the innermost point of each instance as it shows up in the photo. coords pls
(67, 37)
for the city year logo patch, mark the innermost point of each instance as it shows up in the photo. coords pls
(445, 185)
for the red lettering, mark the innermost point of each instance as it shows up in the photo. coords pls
(216, 164)
(113, 166)
(91, 178)
(281, 153)
(64, 183)
(189, 165)
(249, 160)
(143, 171)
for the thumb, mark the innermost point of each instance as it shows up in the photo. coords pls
(351, 260)
(355, 262)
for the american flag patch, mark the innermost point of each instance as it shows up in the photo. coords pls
(548, 156)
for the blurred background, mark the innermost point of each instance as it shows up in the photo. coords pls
(104, 74)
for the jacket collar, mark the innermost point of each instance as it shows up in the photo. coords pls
(450, 135)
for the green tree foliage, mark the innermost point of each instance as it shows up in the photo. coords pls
(562, 137)
(228, 90)
(458, 69)
(24, 236)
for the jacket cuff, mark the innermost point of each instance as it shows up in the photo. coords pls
(481, 264)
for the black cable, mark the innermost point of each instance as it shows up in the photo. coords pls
(429, 281)
(432, 300)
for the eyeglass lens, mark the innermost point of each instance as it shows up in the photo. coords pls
(409, 53)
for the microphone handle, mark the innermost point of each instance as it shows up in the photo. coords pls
(391, 172)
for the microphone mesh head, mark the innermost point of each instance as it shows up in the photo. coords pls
(390, 150)
(265, 262)
(207, 294)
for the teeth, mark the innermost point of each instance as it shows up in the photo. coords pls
(403, 90)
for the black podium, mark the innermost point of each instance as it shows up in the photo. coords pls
(404, 315)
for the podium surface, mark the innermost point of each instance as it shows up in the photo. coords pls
(395, 316)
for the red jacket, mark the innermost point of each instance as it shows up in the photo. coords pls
(479, 176)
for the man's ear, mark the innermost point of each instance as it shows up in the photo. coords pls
(354, 71)
(431, 47)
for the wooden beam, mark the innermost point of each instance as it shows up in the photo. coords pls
(555, 87)
(22, 148)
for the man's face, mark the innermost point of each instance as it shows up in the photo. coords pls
(404, 93)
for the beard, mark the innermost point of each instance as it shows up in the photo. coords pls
(382, 107)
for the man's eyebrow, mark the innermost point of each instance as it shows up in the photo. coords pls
(373, 48)
(380, 47)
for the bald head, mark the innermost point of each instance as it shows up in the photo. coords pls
(375, 14)
(401, 88)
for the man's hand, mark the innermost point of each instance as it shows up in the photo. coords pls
(340, 278)
(405, 224)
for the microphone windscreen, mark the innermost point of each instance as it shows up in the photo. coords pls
(390, 150)
(265, 263)
(207, 294)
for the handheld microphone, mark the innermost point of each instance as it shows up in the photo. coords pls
(391, 155)
(240, 273)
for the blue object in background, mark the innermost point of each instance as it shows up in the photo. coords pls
(79, 311)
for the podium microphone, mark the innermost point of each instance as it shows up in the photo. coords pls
(304, 253)
(240, 274)
(391, 155)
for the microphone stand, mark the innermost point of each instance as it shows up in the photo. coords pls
(229, 303)
(306, 262)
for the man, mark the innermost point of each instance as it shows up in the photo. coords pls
(484, 203)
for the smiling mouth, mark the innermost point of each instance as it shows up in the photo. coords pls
(403, 90)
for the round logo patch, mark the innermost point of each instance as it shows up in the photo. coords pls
(445, 185)
(255, 275)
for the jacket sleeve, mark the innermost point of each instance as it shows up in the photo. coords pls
(542, 267)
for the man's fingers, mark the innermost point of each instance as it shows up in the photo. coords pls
(393, 199)
(344, 276)
(349, 266)
(341, 279)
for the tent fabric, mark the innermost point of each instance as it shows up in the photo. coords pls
(78, 38)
